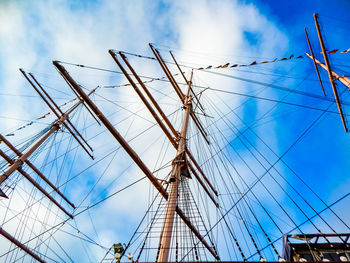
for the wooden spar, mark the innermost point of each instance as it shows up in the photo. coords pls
(200, 171)
(128, 149)
(168, 74)
(178, 91)
(156, 105)
(111, 129)
(19, 154)
(167, 230)
(33, 182)
(58, 108)
(144, 100)
(151, 110)
(36, 145)
(313, 59)
(342, 79)
(9, 237)
(55, 112)
(329, 73)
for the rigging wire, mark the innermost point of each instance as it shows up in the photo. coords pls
(299, 138)
(231, 124)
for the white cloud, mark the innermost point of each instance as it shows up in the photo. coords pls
(201, 32)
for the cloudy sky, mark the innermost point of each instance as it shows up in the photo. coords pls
(200, 33)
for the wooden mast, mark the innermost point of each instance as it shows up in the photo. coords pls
(130, 152)
(179, 165)
(324, 51)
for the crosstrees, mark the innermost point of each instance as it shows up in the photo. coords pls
(160, 123)
(54, 111)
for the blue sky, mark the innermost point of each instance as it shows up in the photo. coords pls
(200, 33)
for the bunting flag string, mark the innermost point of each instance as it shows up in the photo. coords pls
(345, 51)
(39, 118)
(333, 51)
(336, 51)
(227, 65)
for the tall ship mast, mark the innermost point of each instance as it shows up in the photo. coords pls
(180, 164)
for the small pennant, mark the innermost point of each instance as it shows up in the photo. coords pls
(333, 51)
(226, 65)
(41, 117)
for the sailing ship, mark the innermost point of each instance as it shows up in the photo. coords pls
(199, 179)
